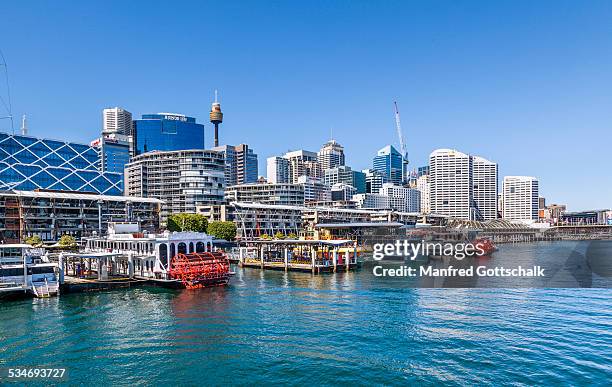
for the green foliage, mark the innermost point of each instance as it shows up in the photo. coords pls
(265, 236)
(187, 222)
(279, 235)
(292, 236)
(222, 230)
(34, 240)
(67, 241)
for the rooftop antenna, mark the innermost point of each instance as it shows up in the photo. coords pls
(331, 134)
(7, 103)
(216, 94)
(24, 126)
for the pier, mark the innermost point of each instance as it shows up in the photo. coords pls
(315, 256)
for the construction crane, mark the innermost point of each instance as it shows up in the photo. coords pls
(402, 142)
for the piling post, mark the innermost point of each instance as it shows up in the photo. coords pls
(286, 259)
(131, 265)
(261, 256)
(312, 259)
(347, 259)
(61, 268)
(335, 258)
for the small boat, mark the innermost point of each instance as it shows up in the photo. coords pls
(486, 245)
(24, 269)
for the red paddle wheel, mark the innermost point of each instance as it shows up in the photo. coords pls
(199, 270)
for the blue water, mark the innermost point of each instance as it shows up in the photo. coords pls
(300, 329)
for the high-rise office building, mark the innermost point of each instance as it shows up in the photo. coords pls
(390, 163)
(521, 195)
(345, 175)
(183, 179)
(372, 201)
(422, 184)
(451, 188)
(331, 155)
(117, 120)
(277, 169)
(302, 163)
(342, 192)
(485, 188)
(28, 163)
(462, 186)
(113, 151)
(240, 164)
(314, 189)
(167, 132)
(402, 199)
(374, 180)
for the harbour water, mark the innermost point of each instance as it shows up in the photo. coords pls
(296, 328)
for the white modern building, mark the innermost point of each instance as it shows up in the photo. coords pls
(117, 120)
(373, 180)
(302, 163)
(372, 201)
(450, 175)
(240, 164)
(342, 192)
(422, 185)
(314, 189)
(267, 193)
(462, 186)
(402, 199)
(277, 169)
(184, 179)
(331, 155)
(520, 198)
(485, 188)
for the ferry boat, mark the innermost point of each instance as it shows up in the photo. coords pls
(24, 269)
(172, 259)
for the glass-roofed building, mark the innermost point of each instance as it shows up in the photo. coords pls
(30, 163)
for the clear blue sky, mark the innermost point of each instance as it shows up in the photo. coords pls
(526, 84)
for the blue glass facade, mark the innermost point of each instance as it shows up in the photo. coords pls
(389, 162)
(29, 163)
(167, 132)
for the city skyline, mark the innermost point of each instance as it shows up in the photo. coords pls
(524, 105)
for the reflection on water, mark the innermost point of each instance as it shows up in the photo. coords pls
(348, 328)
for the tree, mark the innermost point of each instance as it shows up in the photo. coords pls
(222, 230)
(34, 240)
(67, 241)
(292, 236)
(187, 222)
(279, 235)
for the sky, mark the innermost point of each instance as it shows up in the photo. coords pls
(525, 84)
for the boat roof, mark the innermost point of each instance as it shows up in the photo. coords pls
(16, 245)
(331, 242)
(359, 224)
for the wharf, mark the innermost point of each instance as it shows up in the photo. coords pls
(315, 256)
(79, 285)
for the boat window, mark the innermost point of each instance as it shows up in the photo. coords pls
(191, 247)
(182, 248)
(172, 250)
(163, 254)
(200, 247)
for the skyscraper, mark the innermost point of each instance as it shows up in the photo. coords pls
(277, 169)
(331, 155)
(390, 163)
(462, 186)
(450, 175)
(485, 188)
(520, 198)
(402, 199)
(167, 132)
(240, 164)
(117, 120)
(374, 180)
(113, 151)
(302, 163)
(344, 174)
(422, 184)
